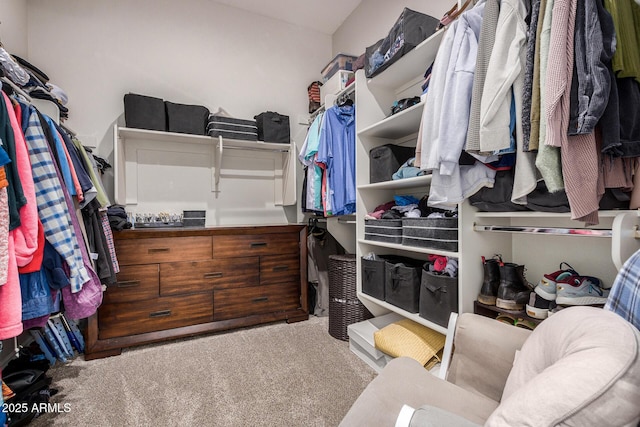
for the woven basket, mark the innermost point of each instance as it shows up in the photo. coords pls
(344, 306)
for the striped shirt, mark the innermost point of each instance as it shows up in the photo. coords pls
(624, 298)
(52, 209)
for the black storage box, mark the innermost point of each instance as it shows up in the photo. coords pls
(383, 230)
(438, 297)
(411, 29)
(273, 127)
(385, 160)
(144, 112)
(434, 233)
(373, 274)
(194, 218)
(402, 283)
(232, 128)
(190, 119)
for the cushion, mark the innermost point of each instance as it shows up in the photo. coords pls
(411, 339)
(405, 381)
(579, 367)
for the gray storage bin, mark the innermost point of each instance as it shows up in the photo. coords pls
(434, 233)
(144, 112)
(194, 218)
(383, 230)
(402, 283)
(438, 297)
(385, 160)
(184, 118)
(232, 128)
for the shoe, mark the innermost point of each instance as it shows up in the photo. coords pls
(546, 287)
(491, 281)
(581, 290)
(513, 292)
(538, 307)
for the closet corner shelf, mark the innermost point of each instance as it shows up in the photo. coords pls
(410, 65)
(131, 133)
(413, 316)
(396, 126)
(416, 182)
(416, 249)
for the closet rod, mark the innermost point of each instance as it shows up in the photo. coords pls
(584, 232)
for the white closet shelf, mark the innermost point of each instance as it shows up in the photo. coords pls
(399, 125)
(398, 184)
(144, 134)
(414, 62)
(407, 248)
(413, 316)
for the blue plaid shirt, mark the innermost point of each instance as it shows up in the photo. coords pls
(624, 298)
(52, 208)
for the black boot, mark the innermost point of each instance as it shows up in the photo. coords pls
(513, 292)
(490, 283)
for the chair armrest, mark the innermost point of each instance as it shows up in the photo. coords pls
(430, 416)
(484, 350)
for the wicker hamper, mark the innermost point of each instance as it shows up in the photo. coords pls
(344, 306)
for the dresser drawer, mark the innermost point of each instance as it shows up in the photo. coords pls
(135, 283)
(194, 276)
(234, 303)
(145, 251)
(119, 320)
(259, 244)
(279, 268)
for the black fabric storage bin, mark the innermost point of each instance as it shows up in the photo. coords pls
(383, 230)
(438, 297)
(411, 29)
(385, 160)
(434, 233)
(373, 277)
(190, 119)
(402, 283)
(144, 112)
(229, 127)
(273, 127)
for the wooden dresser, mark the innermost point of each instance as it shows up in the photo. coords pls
(181, 282)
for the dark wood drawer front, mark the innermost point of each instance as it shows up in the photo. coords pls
(279, 268)
(119, 320)
(187, 277)
(135, 283)
(145, 251)
(234, 303)
(263, 244)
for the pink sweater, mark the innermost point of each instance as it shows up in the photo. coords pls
(26, 235)
(579, 154)
(10, 298)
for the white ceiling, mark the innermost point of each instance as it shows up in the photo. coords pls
(324, 16)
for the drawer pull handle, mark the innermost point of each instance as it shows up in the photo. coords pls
(281, 268)
(162, 313)
(261, 299)
(128, 283)
(215, 275)
(156, 250)
(258, 244)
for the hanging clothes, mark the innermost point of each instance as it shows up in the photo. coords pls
(320, 245)
(336, 155)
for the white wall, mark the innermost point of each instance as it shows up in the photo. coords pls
(13, 26)
(188, 51)
(373, 19)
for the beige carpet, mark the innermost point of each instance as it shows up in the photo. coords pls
(274, 375)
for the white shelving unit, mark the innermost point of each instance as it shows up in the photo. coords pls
(375, 127)
(128, 140)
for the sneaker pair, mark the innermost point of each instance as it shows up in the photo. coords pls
(565, 287)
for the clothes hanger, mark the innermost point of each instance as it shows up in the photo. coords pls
(453, 13)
